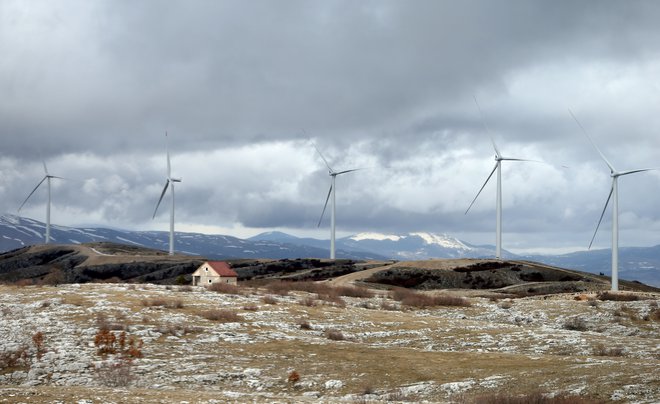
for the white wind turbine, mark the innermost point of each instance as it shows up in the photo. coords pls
(614, 195)
(498, 167)
(46, 178)
(169, 183)
(333, 175)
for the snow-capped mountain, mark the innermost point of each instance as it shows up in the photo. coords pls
(636, 263)
(17, 232)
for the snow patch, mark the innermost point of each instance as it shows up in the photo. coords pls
(441, 240)
(375, 236)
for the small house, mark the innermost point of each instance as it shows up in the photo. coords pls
(214, 272)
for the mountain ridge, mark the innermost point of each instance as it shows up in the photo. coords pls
(637, 263)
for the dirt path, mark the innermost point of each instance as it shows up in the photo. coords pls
(357, 276)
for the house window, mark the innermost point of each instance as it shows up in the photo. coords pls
(206, 269)
(210, 281)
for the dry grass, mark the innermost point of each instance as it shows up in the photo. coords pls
(223, 316)
(226, 288)
(529, 398)
(162, 302)
(617, 296)
(334, 335)
(421, 300)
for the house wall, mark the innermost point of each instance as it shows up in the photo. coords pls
(205, 275)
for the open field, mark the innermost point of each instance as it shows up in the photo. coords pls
(275, 345)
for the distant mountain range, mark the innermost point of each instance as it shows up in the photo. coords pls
(637, 263)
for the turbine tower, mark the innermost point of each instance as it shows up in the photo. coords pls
(169, 183)
(331, 193)
(614, 196)
(498, 202)
(46, 178)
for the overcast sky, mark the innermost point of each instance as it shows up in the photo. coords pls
(244, 87)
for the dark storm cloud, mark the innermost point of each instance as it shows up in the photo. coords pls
(91, 87)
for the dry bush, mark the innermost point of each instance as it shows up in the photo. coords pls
(389, 306)
(333, 299)
(226, 288)
(54, 278)
(506, 305)
(223, 316)
(576, 324)
(21, 283)
(185, 288)
(15, 358)
(268, 299)
(279, 287)
(421, 300)
(529, 398)
(304, 325)
(293, 377)
(654, 315)
(602, 350)
(353, 291)
(334, 335)
(250, 307)
(617, 297)
(38, 341)
(308, 301)
(103, 323)
(178, 330)
(116, 374)
(161, 302)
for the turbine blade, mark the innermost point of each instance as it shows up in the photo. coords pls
(601, 216)
(482, 188)
(324, 160)
(325, 206)
(592, 142)
(162, 194)
(45, 168)
(33, 191)
(637, 171)
(348, 171)
(483, 122)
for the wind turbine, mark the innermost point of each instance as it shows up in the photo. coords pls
(169, 181)
(498, 203)
(331, 192)
(46, 178)
(614, 195)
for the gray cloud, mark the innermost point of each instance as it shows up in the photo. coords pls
(91, 87)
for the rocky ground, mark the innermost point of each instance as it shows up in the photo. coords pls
(253, 344)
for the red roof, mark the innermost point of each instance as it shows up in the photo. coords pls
(222, 268)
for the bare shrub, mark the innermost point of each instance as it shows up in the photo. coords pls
(250, 307)
(576, 324)
(21, 283)
(279, 287)
(506, 305)
(304, 325)
(293, 378)
(54, 277)
(178, 329)
(104, 323)
(617, 296)
(115, 374)
(224, 316)
(308, 301)
(268, 299)
(422, 300)
(352, 291)
(333, 299)
(334, 335)
(530, 398)
(654, 314)
(226, 288)
(602, 350)
(385, 305)
(38, 341)
(185, 288)
(17, 357)
(161, 302)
